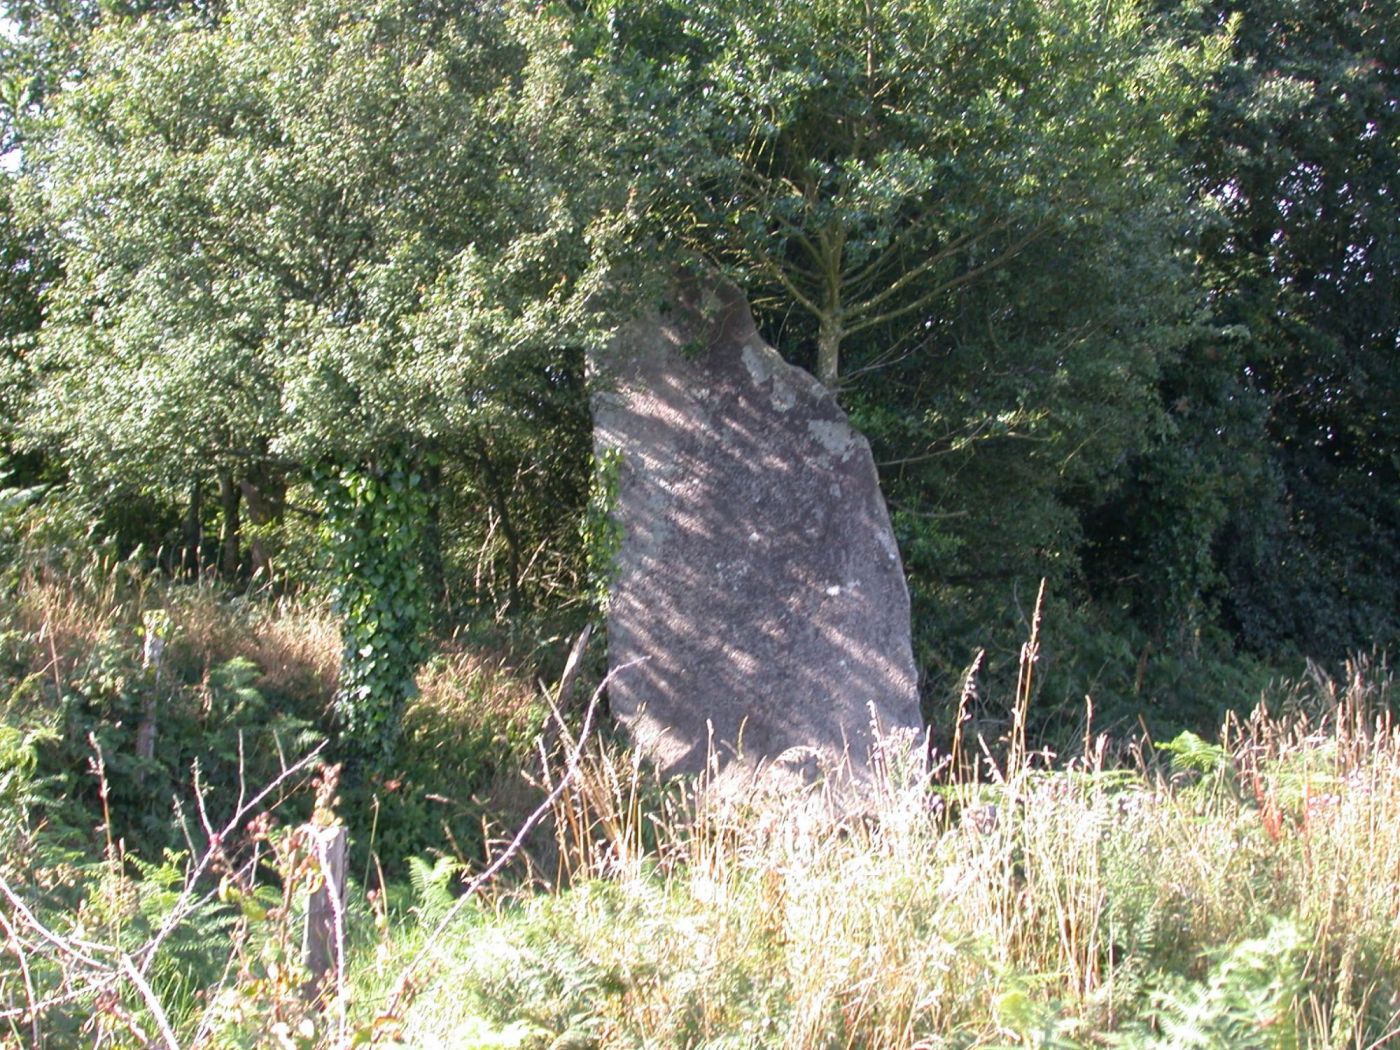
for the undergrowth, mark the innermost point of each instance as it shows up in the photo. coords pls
(1237, 891)
(1233, 895)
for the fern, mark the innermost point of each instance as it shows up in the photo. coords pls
(1190, 754)
(1203, 772)
(232, 687)
(23, 792)
(1246, 1003)
(20, 788)
(193, 954)
(432, 887)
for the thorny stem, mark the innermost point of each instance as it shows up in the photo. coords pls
(509, 853)
(87, 953)
(17, 946)
(78, 950)
(182, 903)
(152, 1002)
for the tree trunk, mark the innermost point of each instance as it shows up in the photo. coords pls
(265, 492)
(229, 541)
(829, 351)
(193, 538)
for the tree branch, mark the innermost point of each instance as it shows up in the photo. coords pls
(910, 276)
(966, 277)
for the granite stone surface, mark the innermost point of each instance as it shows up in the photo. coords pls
(758, 611)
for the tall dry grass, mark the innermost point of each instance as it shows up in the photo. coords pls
(1239, 894)
(63, 615)
(1242, 894)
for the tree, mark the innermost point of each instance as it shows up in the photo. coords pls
(1302, 259)
(25, 269)
(860, 161)
(304, 239)
(967, 217)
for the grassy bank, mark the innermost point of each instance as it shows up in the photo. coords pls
(1237, 892)
(1235, 895)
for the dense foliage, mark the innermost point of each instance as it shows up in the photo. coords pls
(296, 300)
(1111, 287)
(374, 517)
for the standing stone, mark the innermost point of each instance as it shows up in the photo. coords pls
(758, 581)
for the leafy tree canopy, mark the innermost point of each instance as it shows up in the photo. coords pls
(316, 238)
(1296, 397)
(308, 230)
(859, 161)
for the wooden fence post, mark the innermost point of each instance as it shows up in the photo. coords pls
(323, 941)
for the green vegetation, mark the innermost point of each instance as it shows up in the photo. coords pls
(299, 509)
(1167, 905)
(1186, 895)
(374, 515)
(1110, 289)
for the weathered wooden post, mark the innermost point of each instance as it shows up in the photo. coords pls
(157, 623)
(323, 940)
